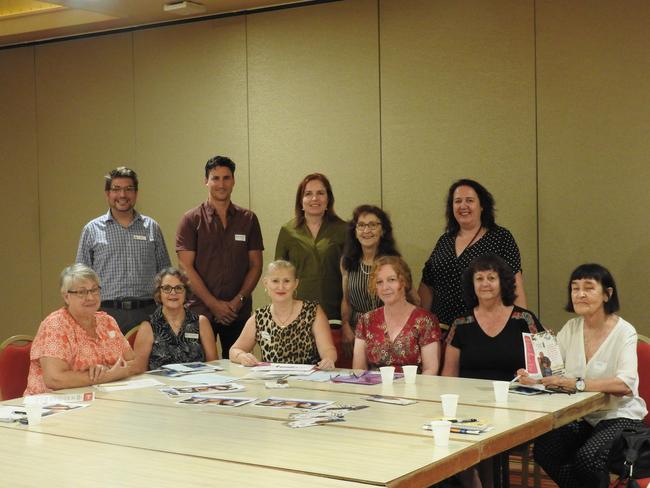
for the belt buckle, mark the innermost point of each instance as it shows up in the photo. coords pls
(127, 305)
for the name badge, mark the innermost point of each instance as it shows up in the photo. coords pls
(111, 334)
(140, 238)
(265, 336)
(191, 335)
(240, 237)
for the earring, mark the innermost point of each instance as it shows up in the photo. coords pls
(266, 291)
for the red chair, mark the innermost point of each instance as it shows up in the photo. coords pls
(131, 335)
(643, 367)
(14, 366)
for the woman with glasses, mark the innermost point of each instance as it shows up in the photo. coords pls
(313, 243)
(471, 231)
(173, 334)
(78, 345)
(369, 236)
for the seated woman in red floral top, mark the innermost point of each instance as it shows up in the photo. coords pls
(399, 333)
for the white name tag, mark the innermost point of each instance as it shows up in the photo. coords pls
(140, 238)
(191, 335)
(265, 336)
(240, 237)
(111, 334)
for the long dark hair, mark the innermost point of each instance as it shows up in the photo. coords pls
(484, 196)
(330, 214)
(352, 252)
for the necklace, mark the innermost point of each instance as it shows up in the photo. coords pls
(472, 240)
(286, 320)
(361, 265)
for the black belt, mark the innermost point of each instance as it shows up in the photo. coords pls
(127, 304)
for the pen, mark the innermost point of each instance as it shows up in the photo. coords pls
(463, 421)
(516, 378)
(458, 430)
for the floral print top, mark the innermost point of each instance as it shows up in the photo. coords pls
(420, 329)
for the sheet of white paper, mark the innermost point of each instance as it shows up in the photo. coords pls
(318, 376)
(129, 385)
(206, 379)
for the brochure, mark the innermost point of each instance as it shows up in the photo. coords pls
(365, 378)
(543, 356)
(175, 391)
(299, 403)
(216, 401)
(470, 426)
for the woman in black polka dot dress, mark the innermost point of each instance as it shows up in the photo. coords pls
(471, 232)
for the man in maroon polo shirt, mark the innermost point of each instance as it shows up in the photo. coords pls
(219, 245)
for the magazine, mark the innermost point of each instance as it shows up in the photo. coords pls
(471, 426)
(543, 356)
(216, 401)
(275, 402)
(176, 390)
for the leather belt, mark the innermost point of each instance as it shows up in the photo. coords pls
(127, 304)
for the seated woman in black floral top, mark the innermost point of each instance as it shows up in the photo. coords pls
(173, 333)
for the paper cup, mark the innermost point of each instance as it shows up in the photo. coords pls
(387, 373)
(34, 413)
(449, 404)
(440, 429)
(501, 389)
(409, 373)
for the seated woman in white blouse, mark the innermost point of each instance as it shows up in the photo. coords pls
(599, 353)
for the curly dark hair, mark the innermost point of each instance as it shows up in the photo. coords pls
(600, 274)
(170, 271)
(330, 214)
(489, 262)
(484, 196)
(352, 252)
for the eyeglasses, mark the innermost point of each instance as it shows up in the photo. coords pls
(370, 225)
(83, 293)
(167, 289)
(125, 189)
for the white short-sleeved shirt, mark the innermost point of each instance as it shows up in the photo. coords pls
(615, 358)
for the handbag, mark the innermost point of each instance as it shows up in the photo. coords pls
(629, 454)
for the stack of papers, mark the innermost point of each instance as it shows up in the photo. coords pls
(284, 369)
(182, 369)
(470, 426)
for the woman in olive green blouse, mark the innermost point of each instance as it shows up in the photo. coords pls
(313, 243)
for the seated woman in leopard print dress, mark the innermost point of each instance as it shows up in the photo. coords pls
(288, 330)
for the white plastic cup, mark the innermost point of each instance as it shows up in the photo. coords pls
(440, 429)
(501, 389)
(449, 404)
(387, 374)
(409, 374)
(34, 413)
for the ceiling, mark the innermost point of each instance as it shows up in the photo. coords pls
(25, 21)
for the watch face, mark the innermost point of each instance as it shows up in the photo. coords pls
(580, 385)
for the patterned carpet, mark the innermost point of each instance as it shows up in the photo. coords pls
(516, 474)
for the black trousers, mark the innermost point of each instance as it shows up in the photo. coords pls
(127, 319)
(227, 334)
(574, 456)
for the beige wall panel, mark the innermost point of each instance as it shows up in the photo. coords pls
(20, 299)
(314, 106)
(85, 128)
(190, 104)
(594, 119)
(458, 101)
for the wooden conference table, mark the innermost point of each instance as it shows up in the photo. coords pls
(142, 437)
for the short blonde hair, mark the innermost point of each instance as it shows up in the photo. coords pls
(399, 266)
(74, 273)
(279, 264)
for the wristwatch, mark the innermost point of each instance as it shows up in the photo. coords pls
(580, 384)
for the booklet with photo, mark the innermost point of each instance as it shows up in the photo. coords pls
(192, 367)
(542, 353)
(389, 399)
(469, 425)
(177, 390)
(216, 401)
(274, 402)
(365, 378)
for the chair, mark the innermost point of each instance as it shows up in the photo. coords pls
(643, 367)
(341, 362)
(14, 366)
(132, 334)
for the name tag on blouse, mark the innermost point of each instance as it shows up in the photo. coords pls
(140, 238)
(240, 237)
(191, 335)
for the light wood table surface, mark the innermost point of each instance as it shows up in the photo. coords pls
(380, 445)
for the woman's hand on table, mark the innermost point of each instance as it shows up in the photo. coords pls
(325, 364)
(525, 379)
(247, 359)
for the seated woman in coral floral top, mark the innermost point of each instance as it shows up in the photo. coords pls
(399, 333)
(77, 345)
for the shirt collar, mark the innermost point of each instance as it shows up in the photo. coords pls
(108, 217)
